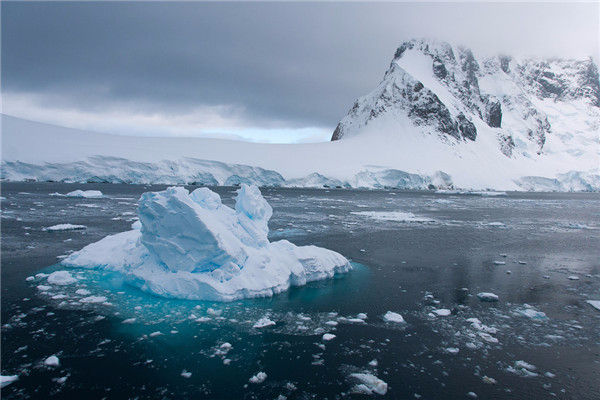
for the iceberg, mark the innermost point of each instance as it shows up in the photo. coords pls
(88, 194)
(191, 246)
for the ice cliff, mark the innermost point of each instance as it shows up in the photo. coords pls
(191, 246)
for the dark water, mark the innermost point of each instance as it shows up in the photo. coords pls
(407, 267)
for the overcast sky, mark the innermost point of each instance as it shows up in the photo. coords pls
(260, 71)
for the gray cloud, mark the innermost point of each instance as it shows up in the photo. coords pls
(275, 64)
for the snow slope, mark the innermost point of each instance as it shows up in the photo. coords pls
(441, 117)
(224, 254)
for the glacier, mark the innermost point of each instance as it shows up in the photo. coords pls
(191, 246)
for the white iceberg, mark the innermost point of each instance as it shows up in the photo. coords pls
(191, 246)
(88, 194)
(6, 380)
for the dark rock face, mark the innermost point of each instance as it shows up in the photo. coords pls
(507, 144)
(505, 64)
(494, 114)
(439, 69)
(337, 134)
(467, 128)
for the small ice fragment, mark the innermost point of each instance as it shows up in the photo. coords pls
(61, 380)
(258, 378)
(263, 322)
(442, 312)
(88, 194)
(499, 262)
(549, 375)
(63, 227)
(594, 303)
(373, 363)
(61, 278)
(93, 299)
(6, 380)
(361, 315)
(128, 321)
(82, 292)
(487, 296)
(328, 336)
(370, 384)
(472, 395)
(573, 277)
(522, 262)
(391, 316)
(30, 278)
(44, 288)
(186, 374)
(488, 380)
(452, 350)
(331, 323)
(154, 334)
(525, 365)
(52, 361)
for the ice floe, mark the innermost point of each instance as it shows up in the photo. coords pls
(391, 316)
(594, 303)
(368, 384)
(64, 227)
(397, 216)
(52, 361)
(192, 246)
(258, 378)
(89, 194)
(6, 380)
(487, 296)
(61, 278)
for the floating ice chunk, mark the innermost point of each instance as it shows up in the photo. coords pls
(63, 227)
(523, 369)
(487, 337)
(369, 384)
(52, 361)
(442, 312)
(263, 322)
(89, 194)
(489, 380)
(526, 365)
(549, 375)
(573, 277)
(391, 316)
(522, 262)
(44, 288)
(258, 378)
(373, 363)
(472, 395)
(594, 303)
(61, 278)
(331, 323)
(499, 262)
(192, 246)
(328, 336)
(82, 292)
(128, 321)
(186, 374)
(93, 299)
(476, 324)
(487, 296)
(452, 350)
(6, 380)
(397, 216)
(499, 224)
(530, 312)
(361, 315)
(155, 334)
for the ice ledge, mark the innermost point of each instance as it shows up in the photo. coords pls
(191, 246)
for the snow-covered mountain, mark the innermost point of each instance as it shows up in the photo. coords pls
(442, 117)
(543, 110)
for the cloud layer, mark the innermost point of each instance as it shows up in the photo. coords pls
(191, 68)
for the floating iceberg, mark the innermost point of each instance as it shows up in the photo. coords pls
(191, 246)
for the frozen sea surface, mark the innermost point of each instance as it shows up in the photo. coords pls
(541, 339)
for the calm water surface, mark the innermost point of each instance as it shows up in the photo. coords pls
(522, 247)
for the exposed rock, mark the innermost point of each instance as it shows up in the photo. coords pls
(494, 114)
(466, 127)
